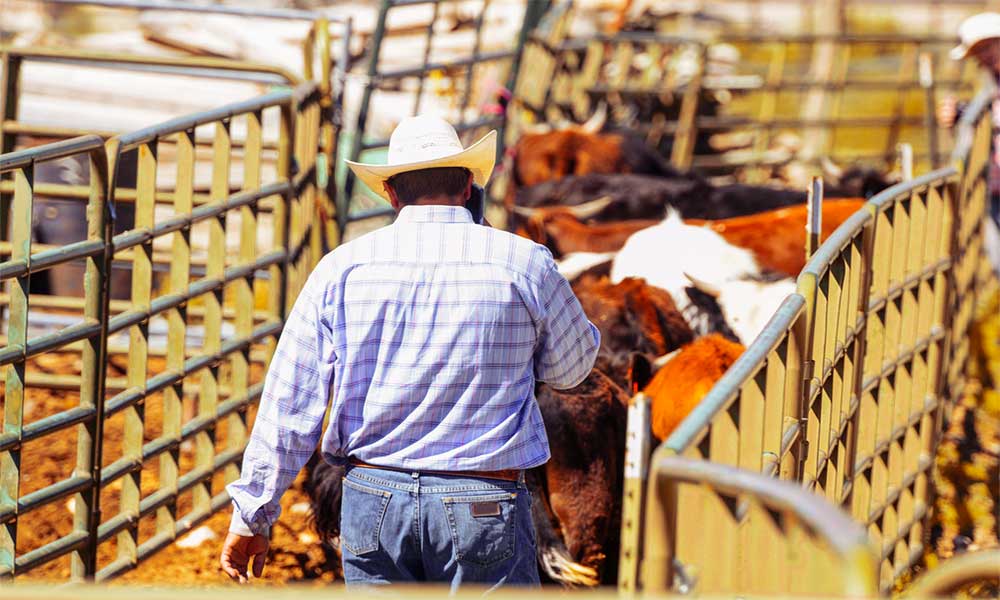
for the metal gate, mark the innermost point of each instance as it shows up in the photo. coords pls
(844, 392)
(222, 308)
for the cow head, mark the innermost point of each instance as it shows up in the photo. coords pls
(856, 181)
(740, 308)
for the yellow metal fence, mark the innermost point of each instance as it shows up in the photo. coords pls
(262, 220)
(843, 393)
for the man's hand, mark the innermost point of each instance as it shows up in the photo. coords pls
(236, 553)
(947, 111)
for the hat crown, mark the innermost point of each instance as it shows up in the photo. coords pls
(420, 138)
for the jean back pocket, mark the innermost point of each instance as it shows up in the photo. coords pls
(482, 526)
(361, 514)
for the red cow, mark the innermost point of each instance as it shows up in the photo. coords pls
(777, 238)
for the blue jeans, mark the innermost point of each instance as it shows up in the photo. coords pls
(399, 527)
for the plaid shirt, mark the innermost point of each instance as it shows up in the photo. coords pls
(426, 338)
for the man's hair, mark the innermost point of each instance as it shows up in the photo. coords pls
(411, 186)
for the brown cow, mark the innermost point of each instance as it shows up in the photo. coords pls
(632, 317)
(577, 510)
(549, 155)
(681, 384)
(577, 495)
(777, 238)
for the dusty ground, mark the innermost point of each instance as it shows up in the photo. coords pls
(296, 555)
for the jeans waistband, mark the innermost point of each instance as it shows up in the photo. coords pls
(430, 483)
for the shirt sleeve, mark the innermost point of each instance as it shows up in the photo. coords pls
(290, 418)
(568, 342)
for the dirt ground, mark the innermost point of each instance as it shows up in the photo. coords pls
(965, 516)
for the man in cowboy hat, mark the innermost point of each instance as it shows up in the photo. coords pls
(425, 339)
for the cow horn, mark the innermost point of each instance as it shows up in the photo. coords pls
(831, 168)
(661, 361)
(524, 211)
(704, 286)
(536, 128)
(590, 209)
(595, 123)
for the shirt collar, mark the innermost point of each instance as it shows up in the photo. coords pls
(434, 213)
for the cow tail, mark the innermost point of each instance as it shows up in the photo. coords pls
(553, 556)
(323, 486)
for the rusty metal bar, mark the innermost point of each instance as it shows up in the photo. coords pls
(10, 461)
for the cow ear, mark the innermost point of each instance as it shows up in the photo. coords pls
(640, 371)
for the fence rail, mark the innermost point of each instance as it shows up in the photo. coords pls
(844, 393)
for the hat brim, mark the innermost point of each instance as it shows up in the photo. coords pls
(479, 158)
(960, 51)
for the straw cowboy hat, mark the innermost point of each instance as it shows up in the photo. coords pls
(429, 142)
(975, 29)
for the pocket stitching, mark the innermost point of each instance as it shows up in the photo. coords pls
(510, 529)
(378, 525)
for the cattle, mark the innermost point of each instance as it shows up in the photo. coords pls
(632, 317)
(561, 231)
(855, 181)
(578, 493)
(686, 378)
(777, 238)
(549, 155)
(705, 275)
(578, 264)
(629, 197)
(578, 510)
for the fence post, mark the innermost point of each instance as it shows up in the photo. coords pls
(637, 445)
(930, 106)
(17, 336)
(684, 141)
(100, 222)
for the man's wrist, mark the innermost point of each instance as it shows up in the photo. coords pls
(240, 527)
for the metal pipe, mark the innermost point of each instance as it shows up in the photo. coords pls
(814, 220)
(219, 9)
(930, 105)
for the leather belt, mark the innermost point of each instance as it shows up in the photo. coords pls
(513, 475)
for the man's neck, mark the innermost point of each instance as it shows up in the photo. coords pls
(436, 201)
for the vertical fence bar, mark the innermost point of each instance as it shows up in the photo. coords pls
(97, 287)
(10, 78)
(344, 205)
(637, 448)
(768, 108)
(278, 279)
(236, 427)
(208, 400)
(428, 45)
(908, 60)
(684, 141)
(142, 281)
(930, 106)
(17, 336)
(180, 275)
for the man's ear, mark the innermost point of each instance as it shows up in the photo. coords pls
(468, 187)
(393, 198)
